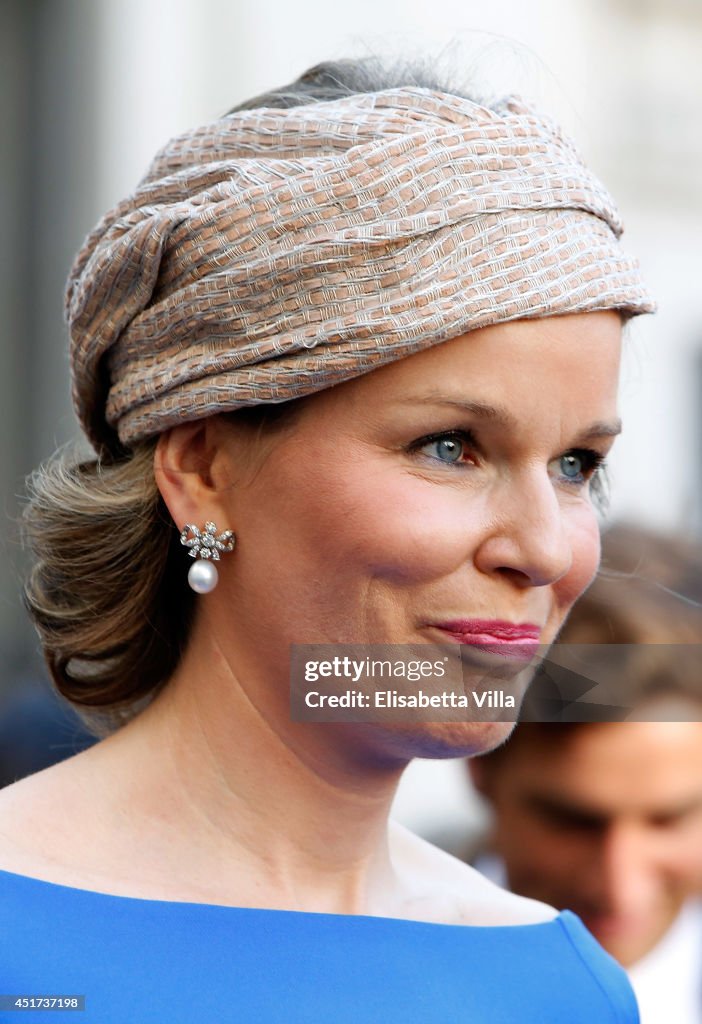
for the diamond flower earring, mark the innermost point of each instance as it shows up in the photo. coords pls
(205, 545)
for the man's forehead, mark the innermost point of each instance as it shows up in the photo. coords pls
(608, 767)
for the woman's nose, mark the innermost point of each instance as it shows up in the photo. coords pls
(528, 537)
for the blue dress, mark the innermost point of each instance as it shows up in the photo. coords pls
(137, 960)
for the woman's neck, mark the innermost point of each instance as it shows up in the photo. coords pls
(294, 815)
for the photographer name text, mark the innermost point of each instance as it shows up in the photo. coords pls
(396, 699)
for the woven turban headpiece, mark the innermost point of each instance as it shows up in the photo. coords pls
(274, 253)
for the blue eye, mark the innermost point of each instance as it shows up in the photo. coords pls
(572, 466)
(450, 448)
(578, 466)
(447, 449)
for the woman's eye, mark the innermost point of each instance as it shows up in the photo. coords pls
(572, 466)
(578, 466)
(450, 449)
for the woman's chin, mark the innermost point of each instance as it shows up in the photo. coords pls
(440, 740)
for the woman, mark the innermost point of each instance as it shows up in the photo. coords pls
(373, 332)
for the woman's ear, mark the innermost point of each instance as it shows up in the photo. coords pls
(191, 473)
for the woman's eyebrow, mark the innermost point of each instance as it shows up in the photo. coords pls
(495, 413)
(504, 418)
(603, 428)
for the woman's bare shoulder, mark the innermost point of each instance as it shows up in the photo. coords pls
(473, 899)
(43, 818)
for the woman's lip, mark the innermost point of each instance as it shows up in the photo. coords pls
(491, 630)
(514, 641)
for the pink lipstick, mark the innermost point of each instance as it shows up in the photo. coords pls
(496, 636)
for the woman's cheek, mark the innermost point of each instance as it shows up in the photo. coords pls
(417, 531)
(586, 547)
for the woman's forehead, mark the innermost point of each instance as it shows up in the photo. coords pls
(492, 365)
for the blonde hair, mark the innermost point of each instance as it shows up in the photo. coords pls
(107, 590)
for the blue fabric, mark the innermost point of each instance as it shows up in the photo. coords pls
(183, 963)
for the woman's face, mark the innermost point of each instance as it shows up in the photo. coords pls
(450, 485)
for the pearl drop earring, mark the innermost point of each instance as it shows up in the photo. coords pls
(205, 545)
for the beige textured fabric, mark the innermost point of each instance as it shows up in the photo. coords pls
(274, 253)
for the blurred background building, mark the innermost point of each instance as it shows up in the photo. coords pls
(90, 88)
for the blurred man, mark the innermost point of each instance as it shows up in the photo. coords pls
(606, 818)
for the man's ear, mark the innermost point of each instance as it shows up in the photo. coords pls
(191, 472)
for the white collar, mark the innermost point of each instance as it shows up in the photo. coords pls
(668, 980)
